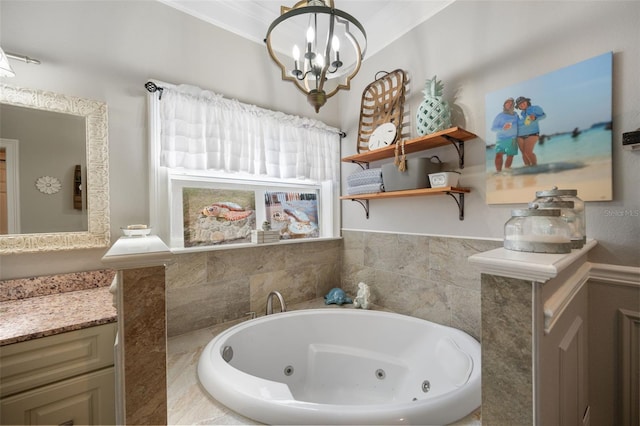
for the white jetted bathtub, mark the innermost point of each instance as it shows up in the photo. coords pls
(343, 366)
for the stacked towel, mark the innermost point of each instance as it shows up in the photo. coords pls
(365, 182)
(365, 189)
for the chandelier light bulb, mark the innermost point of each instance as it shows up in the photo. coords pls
(296, 72)
(310, 53)
(335, 43)
(310, 35)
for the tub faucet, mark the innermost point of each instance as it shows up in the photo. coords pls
(283, 306)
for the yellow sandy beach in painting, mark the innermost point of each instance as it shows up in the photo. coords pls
(593, 183)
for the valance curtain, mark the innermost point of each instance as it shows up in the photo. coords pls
(201, 130)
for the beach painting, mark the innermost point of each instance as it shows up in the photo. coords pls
(293, 214)
(552, 130)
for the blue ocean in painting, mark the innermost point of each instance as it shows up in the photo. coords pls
(564, 151)
(576, 128)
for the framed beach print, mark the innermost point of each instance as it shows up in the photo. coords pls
(552, 130)
(209, 212)
(293, 214)
(214, 216)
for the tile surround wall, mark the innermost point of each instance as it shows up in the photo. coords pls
(213, 287)
(422, 276)
(143, 343)
(507, 351)
(426, 277)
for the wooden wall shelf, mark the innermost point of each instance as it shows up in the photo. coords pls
(363, 199)
(406, 193)
(455, 136)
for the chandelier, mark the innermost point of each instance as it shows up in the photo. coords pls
(317, 47)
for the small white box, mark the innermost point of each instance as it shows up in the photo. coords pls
(444, 179)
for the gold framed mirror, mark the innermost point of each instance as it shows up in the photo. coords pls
(96, 185)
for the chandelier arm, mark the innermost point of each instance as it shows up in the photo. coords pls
(347, 84)
(283, 68)
(327, 53)
(283, 71)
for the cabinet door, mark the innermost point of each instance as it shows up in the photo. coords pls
(38, 362)
(87, 399)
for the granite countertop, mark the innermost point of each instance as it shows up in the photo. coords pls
(40, 315)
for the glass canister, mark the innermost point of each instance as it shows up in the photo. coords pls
(537, 230)
(577, 218)
(568, 214)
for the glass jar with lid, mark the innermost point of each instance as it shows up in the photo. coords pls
(537, 230)
(568, 214)
(576, 218)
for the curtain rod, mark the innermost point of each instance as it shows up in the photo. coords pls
(22, 58)
(152, 88)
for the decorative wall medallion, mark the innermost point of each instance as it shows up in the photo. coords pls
(48, 184)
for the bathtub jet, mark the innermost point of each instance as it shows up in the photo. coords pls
(343, 366)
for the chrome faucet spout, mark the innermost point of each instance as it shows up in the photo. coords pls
(283, 306)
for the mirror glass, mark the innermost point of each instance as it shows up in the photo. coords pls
(54, 185)
(40, 171)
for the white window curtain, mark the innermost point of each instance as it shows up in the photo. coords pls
(201, 130)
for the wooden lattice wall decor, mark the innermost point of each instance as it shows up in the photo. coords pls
(383, 102)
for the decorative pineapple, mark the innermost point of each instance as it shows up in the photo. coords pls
(433, 113)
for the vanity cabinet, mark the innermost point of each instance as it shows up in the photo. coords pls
(455, 136)
(67, 378)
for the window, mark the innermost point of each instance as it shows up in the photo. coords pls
(213, 182)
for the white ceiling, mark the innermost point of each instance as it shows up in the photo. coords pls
(383, 20)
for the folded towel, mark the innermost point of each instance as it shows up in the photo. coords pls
(365, 177)
(365, 189)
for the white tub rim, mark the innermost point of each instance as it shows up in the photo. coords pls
(286, 401)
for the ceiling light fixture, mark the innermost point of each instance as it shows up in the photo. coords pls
(317, 47)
